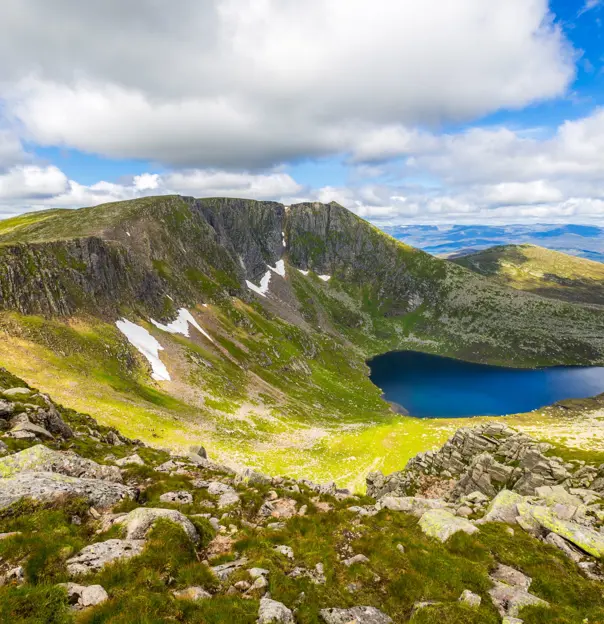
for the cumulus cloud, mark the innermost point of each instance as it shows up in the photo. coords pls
(32, 182)
(243, 83)
(35, 187)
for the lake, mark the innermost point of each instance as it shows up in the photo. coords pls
(430, 386)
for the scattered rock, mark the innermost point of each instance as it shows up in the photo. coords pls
(18, 393)
(567, 548)
(441, 524)
(470, 598)
(179, 498)
(220, 545)
(411, 504)
(510, 591)
(227, 499)
(82, 596)
(286, 551)
(192, 593)
(94, 557)
(503, 508)
(281, 508)
(45, 486)
(358, 615)
(273, 612)
(40, 458)
(198, 450)
(355, 559)
(224, 570)
(131, 460)
(139, 521)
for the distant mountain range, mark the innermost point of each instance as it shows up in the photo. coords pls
(585, 241)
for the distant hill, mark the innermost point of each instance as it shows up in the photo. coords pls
(540, 271)
(585, 241)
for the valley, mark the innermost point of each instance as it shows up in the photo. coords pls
(271, 377)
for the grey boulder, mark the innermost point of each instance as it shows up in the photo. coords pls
(358, 615)
(47, 486)
(139, 521)
(96, 556)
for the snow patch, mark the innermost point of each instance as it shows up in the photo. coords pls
(283, 239)
(325, 278)
(170, 298)
(128, 233)
(181, 325)
(264, 282)
(146, 344)
(303, 271)
(279, 268)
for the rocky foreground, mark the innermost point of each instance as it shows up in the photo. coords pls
(98, 528)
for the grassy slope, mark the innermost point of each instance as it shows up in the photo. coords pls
(140, 589)
(285, 388)
(541, 271)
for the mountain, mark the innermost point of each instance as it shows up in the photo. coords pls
(541, 271)
(585, 241)
(247, 325)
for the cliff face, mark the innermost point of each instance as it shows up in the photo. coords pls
(152, 255)
(64, 277)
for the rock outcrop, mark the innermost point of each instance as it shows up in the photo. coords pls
(49, 486)
(487, 459)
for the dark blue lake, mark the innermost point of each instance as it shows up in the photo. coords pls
(430, 386)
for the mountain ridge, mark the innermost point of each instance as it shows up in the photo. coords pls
(283, 383)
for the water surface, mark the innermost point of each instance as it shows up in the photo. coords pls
(430, 386)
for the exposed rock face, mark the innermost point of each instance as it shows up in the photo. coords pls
(583, 537)
(60, 278)
(21, 412)
(46, 486)
(40, 458)
(360, 615)
(96, 556)
(487, 458)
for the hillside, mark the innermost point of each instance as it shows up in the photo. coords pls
(247, 324)
(98, 528)
(541, 271)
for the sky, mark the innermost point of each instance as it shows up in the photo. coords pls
(424, 111)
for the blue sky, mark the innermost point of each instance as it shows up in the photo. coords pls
(431, 111)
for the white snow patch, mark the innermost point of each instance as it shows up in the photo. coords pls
(181, 325)
(205, 305)
(303, 271)
(146, 344)
(264, 282)
(325, 278)
(283, 239)
(170, 298)
(128, 233)
(279, 268)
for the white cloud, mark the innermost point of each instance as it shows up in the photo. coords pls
(589, 5)
(228, 184)
(32, 182)
(34, 188)
(11, 150)
(248, 83)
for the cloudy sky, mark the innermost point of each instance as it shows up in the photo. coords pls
(424, 111)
